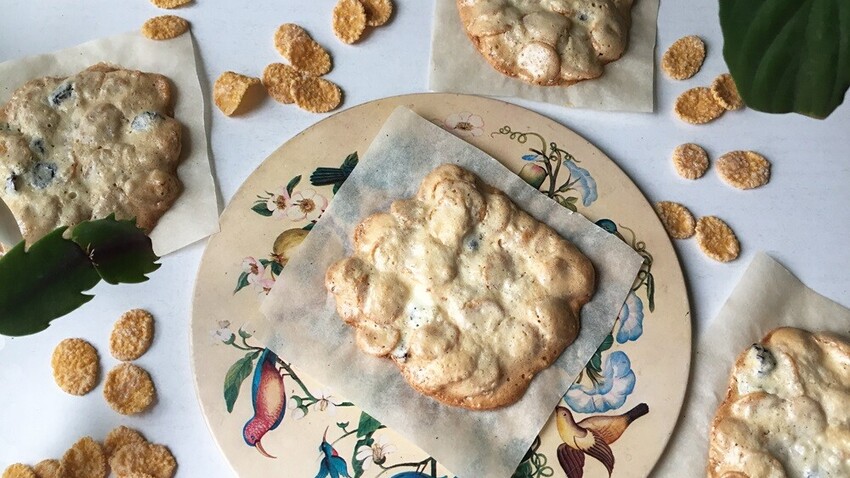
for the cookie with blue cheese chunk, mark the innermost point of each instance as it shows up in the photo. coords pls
(787, 409)
(99, 142)
(466, 293)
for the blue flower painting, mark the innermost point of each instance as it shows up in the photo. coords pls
(583, 182)
(631, 319)
(609, 393)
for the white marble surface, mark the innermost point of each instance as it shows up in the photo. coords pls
(802, 217)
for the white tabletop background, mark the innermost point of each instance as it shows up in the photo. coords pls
(802, 217)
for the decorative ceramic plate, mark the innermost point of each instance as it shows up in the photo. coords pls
(271, 420)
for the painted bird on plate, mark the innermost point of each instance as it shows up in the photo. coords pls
(269, 398)
(323, 176)
(332, 465)
(591, 436)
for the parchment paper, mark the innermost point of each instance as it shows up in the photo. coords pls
(768, 296)
(195, 213)
(626, 85)
(306, 329)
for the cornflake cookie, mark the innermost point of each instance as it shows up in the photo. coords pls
(19, 470)
(169, 4)
(49, 469)
(76, 366)
(301, 51)
(786, 410)
(120, 437)
(726, 93)
(317, 95)
(677, 219)
(143, 458)
(716, 239)
(85, 459)
(548, 43)
(743, 169)
(131, 335)
(165, 27)
(230, 89)
(690, 161)
(378, 12)
(684, 58)
(129, 389)
(697, 106)
(278, 79)
(83, 147)
(349, 20)
(467, 294)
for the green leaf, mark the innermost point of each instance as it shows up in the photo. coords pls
(367, 425)
(788, 55)
(242, 282)
(43, 283)
(596, 362)
(243, 334)
(237, 374)
(119, 250)
(606, 344)
(650, 291)
(277, 268)
(309, 226)
(292, 183)
(261, 209)
(342, 425)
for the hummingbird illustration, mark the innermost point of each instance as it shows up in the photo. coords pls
(269, 398)
(332, 465)
(591, 436)
(324, 176)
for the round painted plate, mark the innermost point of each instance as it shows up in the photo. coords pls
(639, 373)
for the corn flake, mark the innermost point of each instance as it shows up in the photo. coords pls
(349, 20)
(230, 89)
(129, 389)
(169, 4)
(278, 79)
(76, 366)
(726, 92)
(716, 239)
(677, 219)
(49, 469)
(684, 58)
(165, 27)
(378, 12)
(85, 459)
(302, 52)
(743, 169)
(316, 94)
(154, 460)
(120, 437)
(690, 161)
(697, 106)
(19, 470)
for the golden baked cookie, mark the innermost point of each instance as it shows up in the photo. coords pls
(99, 142)
(787, 410)
(553, 42)
(467, 294)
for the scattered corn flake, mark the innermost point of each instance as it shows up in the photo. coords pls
(19, 470)
(278, 79)
(137, 474)
(85, 459)
(684, 58)
(726, 93)
(230, 89)
(120, 437)
(690, 161)
(49, 469)
(697, 106)
(378, 12)
(169, 4)
(302, 52)
(129, 389)
(677, 219)
(76, 366)
(349, 20)
(743, 169)
(716, 239)
(154, 460)
(317, 95)
(165, 27)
